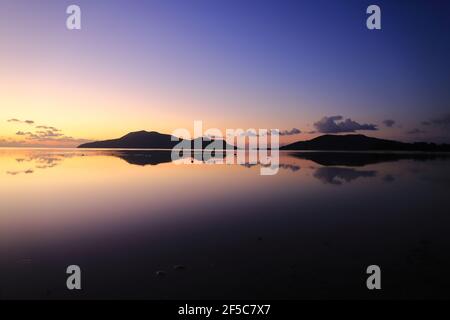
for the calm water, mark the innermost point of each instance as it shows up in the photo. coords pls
(308, 232)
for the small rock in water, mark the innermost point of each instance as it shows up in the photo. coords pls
(179, 267)
(161, 273)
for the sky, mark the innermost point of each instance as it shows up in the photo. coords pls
(298, 66)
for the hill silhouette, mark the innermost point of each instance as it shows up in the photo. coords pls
(146, 140)
(359, 142)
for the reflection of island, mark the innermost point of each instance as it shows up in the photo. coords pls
(155, 157)
(359, 159)
(143, 158)
(336, 175)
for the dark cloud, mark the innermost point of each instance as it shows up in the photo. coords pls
(389, 123)
(416, 131)
(335, 125)
(442, 121)
(13, 120)
(291, 132)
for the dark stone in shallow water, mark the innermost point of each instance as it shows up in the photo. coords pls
(161, 273)
(179, 267)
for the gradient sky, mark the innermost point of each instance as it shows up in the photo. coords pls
(160, 65)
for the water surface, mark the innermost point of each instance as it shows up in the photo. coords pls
(223, 231)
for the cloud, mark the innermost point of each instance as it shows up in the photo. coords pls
(48, 134)
(47, 128)
(249, 133)
(291, 132)
(8, 143)
(41, 136)
(21, 133)
(331, 125)
(30, 122)
(442, 121)
(15, 173)
(389, 123)
(416, 131)
(253, 133)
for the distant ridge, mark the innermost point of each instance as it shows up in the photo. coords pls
(144, 140)
(359, 142)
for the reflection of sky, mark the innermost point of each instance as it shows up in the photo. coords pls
(89, 189)
(159, 65)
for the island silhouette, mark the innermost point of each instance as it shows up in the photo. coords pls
(328, 142)
(359, 142)
(149, 140)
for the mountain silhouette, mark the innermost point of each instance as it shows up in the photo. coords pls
(359, 142)
(149, 140)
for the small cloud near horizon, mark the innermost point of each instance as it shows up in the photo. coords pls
(253, 133)
(443, 121)
(42, 134)
(30, 122)
(292, 132)
(389, 123)
(416, 131)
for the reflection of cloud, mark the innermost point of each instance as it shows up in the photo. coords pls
(336, 175)
(291, 167)
(389, 178)
(40, 161)
(331, 125)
